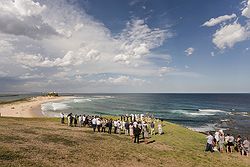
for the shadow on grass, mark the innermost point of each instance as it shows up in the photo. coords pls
(7, 155)
(53, 138)
(29, 131)
(12, 139)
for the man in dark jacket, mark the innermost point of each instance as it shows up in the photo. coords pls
(137, 132)
(109, 125)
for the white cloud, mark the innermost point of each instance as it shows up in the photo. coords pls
(62, 42)
(189, 51)
(31, 76)
(138, 39)
(32, 60)
(165, 70)
(22, 17)
(3, 74)
(71, 58)
(22, 7)
(229, 35)
(220, 19)
(5, 46)
(246, 10)
(212, 54)
(134, 2)
(122, 80)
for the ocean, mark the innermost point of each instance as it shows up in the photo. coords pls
(200, 112)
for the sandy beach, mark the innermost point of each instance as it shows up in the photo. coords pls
(30, 108)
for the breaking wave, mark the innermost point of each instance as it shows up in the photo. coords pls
(54, 106)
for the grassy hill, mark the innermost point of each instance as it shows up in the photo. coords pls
(45, 142)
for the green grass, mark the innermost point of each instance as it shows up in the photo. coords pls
(46, 142)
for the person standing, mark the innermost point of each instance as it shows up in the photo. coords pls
(131, 131)
(226, 142)
(145, 130)
(126, 128)
(94, 121)
(109, 124)
(221, 142)
(69, 116)
(98, 123)
(210, 139)
(104, 124)
(62, 118)
(119, 126)
(80, 121)
(160, 129)
(137, 132)
(239, 141)
(84, 120)
(152, 127)
(230, 143)
(115, 126)
(245, 147)
(75, 120)
(71, 120)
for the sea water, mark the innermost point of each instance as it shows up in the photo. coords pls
(200, 112)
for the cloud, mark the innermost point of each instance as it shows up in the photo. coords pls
(59, 42)
(220, 19)
(189, 51)
(212, 54)
(3, 74)
(246, 10)
(70, 59)
(137, 39)
(165, 70)
(22, 17)
(5, 46)
(134, 2)
(122, 80)
(229, 35)
(22, 7)
(31, 76)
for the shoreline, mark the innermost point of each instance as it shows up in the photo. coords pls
(28, 108)
(31, 107)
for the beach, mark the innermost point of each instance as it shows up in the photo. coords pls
(27, 108)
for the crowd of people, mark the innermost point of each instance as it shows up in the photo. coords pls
(133, 125)
(220, 142)
(136, 125)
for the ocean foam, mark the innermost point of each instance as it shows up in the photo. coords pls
(199, 112)
(244, 114)
(210, 110)
(52, 106)
(80, 100)
(205, 128)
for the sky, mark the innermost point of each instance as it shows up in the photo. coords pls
(125, 46)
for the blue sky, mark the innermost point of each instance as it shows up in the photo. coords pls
(125, 46)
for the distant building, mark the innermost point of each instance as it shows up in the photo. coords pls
(50, 94)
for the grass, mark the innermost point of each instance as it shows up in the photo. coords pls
(45, 142)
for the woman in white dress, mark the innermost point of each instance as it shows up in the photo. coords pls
(145, 130)
(131, 131)
(159, 128)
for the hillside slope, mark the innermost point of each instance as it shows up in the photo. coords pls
(45, 142)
